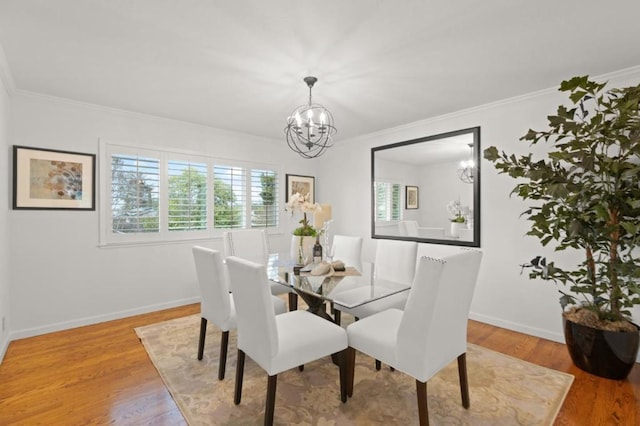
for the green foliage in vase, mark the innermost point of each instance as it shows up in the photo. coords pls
(585, 194)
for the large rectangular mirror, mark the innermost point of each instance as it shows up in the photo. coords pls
(428, 189)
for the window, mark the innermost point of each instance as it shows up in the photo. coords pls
(154, 195)
(229, 197)
(264, 199)
(134, 193)
(388, 201)
(187, 196)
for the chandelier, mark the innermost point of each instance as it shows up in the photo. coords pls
(310, 127)
(467, 168)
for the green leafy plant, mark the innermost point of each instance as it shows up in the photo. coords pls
(586, 195)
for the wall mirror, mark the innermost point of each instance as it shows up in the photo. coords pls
(420, 186)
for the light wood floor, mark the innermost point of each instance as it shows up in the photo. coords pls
(101, 374)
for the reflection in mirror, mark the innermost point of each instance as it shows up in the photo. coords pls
(428, 189)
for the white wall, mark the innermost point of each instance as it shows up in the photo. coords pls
(61, 278)
(5, 195)
(503, 297)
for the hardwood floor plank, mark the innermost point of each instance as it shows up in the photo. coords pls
(101, 374)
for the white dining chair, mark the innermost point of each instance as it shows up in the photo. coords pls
(253, 245)
(408, 228)
(348, 249)
(278, 343)
(431, 331)
(394, 261)
(216, 302)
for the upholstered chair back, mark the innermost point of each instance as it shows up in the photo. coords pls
(213, 281)
(250, 244)
(395, 260)
(409, 228)
(433, 329)
(257, 331)
(348, 249)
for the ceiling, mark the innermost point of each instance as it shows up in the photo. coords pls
(239, 64)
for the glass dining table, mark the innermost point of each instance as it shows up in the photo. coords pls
(354, 286)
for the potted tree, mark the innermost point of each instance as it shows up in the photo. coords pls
(585, 195)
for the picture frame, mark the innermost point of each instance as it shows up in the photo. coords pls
(411, 197)
(48, 179)
(302, 184)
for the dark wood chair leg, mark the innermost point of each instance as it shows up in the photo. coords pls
(301, 367)
(423, 409)
(239, 375)
(344, 373)
(350, 356)
(293, 302)
(378, 365)
(203, 333)
(271, 400)
(464, 381)
(336, 316)
(224, 343)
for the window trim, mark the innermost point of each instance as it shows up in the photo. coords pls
(164, 154)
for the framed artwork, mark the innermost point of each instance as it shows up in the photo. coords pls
(55, 180)
(411, 197)
(304, 185)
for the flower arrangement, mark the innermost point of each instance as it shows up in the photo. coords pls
(458, 211)
(300, 203)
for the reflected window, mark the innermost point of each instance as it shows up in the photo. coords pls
(388, 201)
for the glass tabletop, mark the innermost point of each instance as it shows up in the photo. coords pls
(351, 288)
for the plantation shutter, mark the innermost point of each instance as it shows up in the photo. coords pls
(134, 193)
(187, 196)
(264, 199)
(229, 197)
(388, 200)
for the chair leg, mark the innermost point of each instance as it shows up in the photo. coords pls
(350, 356)
(271, 400)
(344, 373)
(464, 381)
(336, 316)
(203, 333)
(222, 365)
(378, 365)
(293, 302)
(423, 409)
(239, 375)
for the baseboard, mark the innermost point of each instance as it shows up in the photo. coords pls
(4, 347)
(65, 325)
(520, 328)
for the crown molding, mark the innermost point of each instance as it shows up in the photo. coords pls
(134, 114)
(5, 74)
(392, 131)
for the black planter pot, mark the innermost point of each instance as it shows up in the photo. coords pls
(608, 354)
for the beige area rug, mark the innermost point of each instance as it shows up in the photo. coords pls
(503, 390)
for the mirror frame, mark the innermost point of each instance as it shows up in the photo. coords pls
(475, 131)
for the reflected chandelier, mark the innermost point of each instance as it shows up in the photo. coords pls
(467, 168)
(310, 127)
